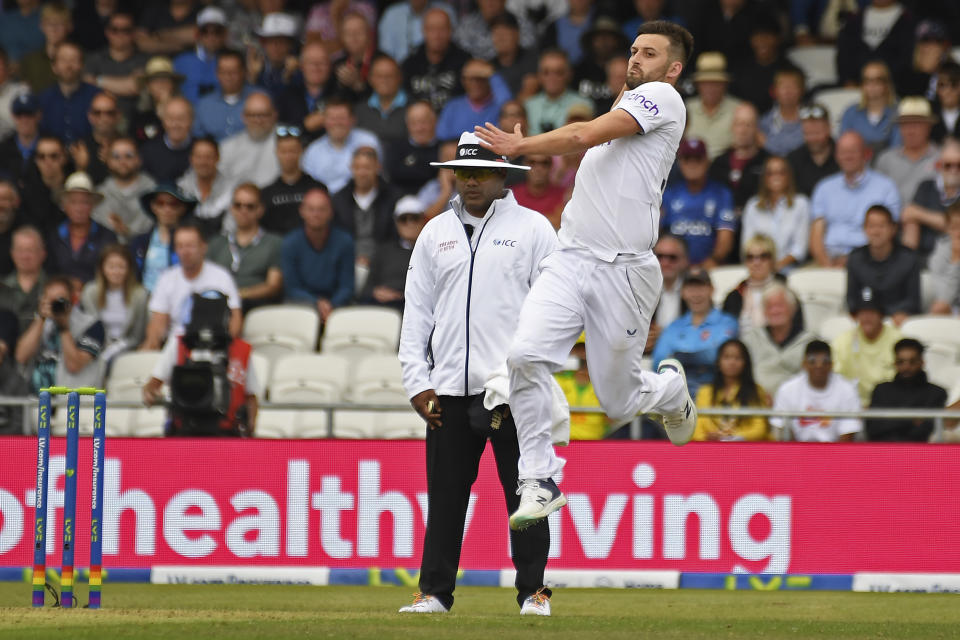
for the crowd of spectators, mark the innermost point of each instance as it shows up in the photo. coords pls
(279, 151)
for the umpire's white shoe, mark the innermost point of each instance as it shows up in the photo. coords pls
(538, 499)
(422, 603)
(537, 604)
(681, 425)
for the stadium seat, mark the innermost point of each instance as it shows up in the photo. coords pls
(378, 379)
(261, 367)
(289, 423)
(358, 331)
(278, 330)
(378, 424)
(944, 375)
(833, 326)
(313, 377)
(725, 279)
(129, 372)
(822, 293)
(818, 63)
(836, 101)
(939, 334)
(148, 422)
(927, 293)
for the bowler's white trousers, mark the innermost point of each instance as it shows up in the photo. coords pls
(613, 304)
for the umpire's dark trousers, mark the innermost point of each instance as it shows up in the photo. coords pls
(453, 458)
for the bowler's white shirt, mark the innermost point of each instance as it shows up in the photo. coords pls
(615, 206)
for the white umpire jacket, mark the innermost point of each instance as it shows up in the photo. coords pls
(462, 304)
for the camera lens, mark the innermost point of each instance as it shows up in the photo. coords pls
(59, 305)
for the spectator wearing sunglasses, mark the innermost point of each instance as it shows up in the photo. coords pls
(283, 196)
(671, 253)
(121, 211)
(251, 154)
(199, 66)
(117, 67)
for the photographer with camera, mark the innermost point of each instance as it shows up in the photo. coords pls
(62, 343)
(213, 388)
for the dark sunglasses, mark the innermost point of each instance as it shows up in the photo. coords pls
(480, 175)
(247, 206)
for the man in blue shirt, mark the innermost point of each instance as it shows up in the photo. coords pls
(695, 337)
(401, 26)
(317, 260)
(840, 202)
(199, 67)
(65, 105)
(328, 159)
(480, 103)
(220, 114)
(699, 210)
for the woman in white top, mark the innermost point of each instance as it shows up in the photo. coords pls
(779, 212)
(745, 303)
(118, 300)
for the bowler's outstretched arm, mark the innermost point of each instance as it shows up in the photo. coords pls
(571, 138)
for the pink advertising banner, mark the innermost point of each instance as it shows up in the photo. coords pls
(712, 507)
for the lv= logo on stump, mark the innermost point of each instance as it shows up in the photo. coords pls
(66, 597)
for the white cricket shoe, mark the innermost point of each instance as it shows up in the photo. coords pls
(538, 499)
(423, 603)
(537, 604)
(681, 425)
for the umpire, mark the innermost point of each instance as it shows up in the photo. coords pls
(470, 271)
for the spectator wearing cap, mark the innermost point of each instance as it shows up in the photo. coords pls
(205, 183)
(473, 30)
(947, 103)
(20, 289)
(120, 210)
(781, 126)
(317, 259)
(694, 337)
(36, 68)
(167, 156)
(199, 66)
(282, 198)
(914, 159)
(159, 84)
(601, 43)
(400, 30)
(388, 268)
(922, 219)
(865, 352)
(118, 68)
(276, 68)
(698, 209)
(480, 102)
(754, 76)
(840, 202)
(167, 28)
(432, 71)
(65, 105)
(383, 112)
(302, 105)
(220, 113)
(17, 149)
(882, 30)
(516, 65)
(364, 207)
(251, 154)
(327, 160)
(20, 29)
(9, 90)
(909, 389)
(537, 192)
(885, 267)
(814, 160)
(874, 117)
(710, 113)
(249, 252)
(548, 109)
(75, 247)
(407, 161)
(153, 251)
(932, 49)
(740, 166)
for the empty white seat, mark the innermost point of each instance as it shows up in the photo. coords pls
(837, 101)
(833, 326)
(931, 329)
(289, 423)
(309, 377)
(818, 64)
(357, 331)
(378, 379)
(148, 422)
(927, 293)
(277, 330)
(129, 372)
(58, 426)
(119, 421)
(725, 279)
(944, 375)
(814, 282)
(261, 367)
(378, 424)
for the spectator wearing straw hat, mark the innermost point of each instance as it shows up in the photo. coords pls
(158, 84)
(75, 246)
(914, 159)
(710, 113)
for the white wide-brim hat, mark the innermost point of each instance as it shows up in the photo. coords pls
(470, 153)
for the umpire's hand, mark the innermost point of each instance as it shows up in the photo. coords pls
(427, 405)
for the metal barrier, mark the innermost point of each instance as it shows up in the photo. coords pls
(937, 415)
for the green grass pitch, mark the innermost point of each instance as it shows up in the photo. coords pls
(236, 612)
